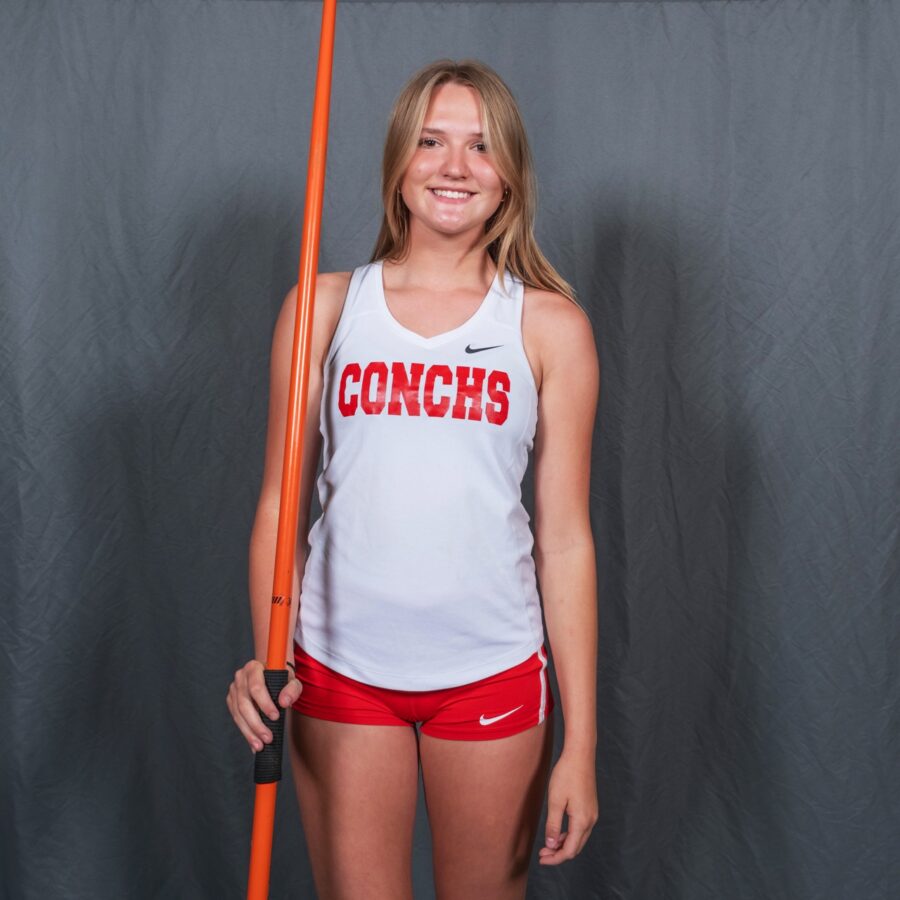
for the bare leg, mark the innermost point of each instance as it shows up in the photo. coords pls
(484, 800)
(357, 788)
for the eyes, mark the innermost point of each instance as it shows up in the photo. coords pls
(424, 142)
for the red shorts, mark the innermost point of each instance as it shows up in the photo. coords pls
(494, 707)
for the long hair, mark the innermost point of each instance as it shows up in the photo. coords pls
(509, 232)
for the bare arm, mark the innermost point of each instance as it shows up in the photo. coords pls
(265, 525)
(247, 694)
(564, 544)
(564, 557)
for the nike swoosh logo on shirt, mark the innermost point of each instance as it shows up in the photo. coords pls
(471, 349)
(485, 721)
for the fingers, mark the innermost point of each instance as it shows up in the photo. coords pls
(290, 692)
(569, 843)
(560, 846)
(249, 684)
(555, 809)
(546, 856)
(248, 694)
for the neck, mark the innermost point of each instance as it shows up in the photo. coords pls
(444, 264)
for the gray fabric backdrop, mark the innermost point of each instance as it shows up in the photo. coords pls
(720, 183)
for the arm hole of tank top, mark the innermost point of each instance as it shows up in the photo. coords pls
(520, 340)
(343, 317)
(520, 343)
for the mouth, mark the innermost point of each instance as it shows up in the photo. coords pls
(451, 196)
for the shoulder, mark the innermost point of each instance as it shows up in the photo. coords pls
(331, 291)
(557, 331)
(332, 283)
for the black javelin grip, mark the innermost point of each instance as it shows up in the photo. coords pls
(267, 766)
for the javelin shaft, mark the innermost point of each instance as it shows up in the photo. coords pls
(268, 760)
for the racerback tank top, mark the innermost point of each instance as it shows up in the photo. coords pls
(419, 574)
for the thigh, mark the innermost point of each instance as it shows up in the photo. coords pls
(357, 788)
(484, 799)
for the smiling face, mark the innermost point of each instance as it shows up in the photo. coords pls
(450, 185)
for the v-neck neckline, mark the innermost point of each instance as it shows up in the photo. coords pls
(435, 339)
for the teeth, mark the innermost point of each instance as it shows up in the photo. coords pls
(454, 194)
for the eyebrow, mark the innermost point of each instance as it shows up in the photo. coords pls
(442, 132)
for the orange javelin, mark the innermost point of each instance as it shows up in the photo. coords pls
(268, 761)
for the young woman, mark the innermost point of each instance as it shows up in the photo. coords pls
(419, 639)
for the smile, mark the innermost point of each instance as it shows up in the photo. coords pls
(451, 195)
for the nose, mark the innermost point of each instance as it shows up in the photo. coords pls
(455, 161)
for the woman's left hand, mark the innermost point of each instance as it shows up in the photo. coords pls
(573, 789)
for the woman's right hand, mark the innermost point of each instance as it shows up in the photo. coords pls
(248, 694)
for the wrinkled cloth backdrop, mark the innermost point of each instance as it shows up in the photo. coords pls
(718, 180)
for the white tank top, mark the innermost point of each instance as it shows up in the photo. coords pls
(419, 574)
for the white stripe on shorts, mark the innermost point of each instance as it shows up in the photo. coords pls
(542, 657)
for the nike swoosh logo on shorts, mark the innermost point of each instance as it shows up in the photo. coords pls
(471, 349)
(485, 721)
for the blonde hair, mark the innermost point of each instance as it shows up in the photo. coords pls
(509, 232)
